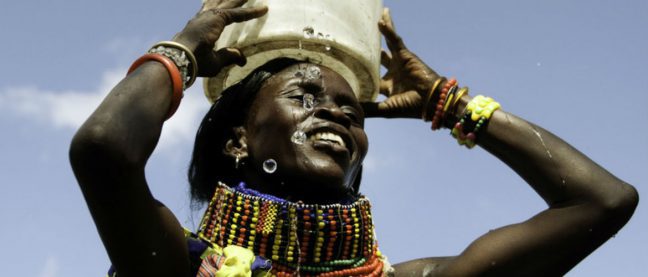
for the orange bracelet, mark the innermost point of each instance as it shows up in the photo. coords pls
(438, 112)
(176, 79)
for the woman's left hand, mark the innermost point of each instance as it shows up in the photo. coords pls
(408, 80)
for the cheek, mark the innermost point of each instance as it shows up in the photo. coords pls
(363, 143)
(271, 129)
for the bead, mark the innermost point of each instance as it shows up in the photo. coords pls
(236, 218)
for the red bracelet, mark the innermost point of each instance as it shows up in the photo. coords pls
(176, 79)
(438, 112)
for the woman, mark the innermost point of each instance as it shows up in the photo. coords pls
(266, 138)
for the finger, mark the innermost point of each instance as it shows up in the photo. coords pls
(386, 27)
(370, 109)
(385, 58)
(244, 14)
(376, 109)
(222, 58)
(386, 87)
(386, 16)
(231, 4)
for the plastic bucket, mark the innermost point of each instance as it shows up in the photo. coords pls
(342, 35)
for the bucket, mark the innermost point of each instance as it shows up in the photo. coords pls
(341, 35)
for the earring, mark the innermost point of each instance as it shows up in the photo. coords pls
(237, 161)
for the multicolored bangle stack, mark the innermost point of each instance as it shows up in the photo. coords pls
(476, 115)
(179, 62)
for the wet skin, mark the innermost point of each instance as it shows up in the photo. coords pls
(321, 169)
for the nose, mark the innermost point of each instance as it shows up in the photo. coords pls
(330, 111)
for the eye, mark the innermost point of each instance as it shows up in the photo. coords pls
(352, 114)
(295, 94)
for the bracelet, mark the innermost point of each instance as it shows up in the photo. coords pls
(462, 91)
(449, 101)
(477, 114)
(429, 97)
(182, 57)
(438, 112)
(176, 80)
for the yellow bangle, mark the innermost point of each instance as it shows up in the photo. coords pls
(479, 110)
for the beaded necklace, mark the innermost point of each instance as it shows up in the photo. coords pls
(299, 239)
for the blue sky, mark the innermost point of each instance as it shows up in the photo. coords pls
(577, 68)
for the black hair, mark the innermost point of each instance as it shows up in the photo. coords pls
(209, 164)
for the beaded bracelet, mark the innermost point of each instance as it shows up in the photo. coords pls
(176, 79)
(182, 57)
(478, 111)
(436, 84)
(438, 112)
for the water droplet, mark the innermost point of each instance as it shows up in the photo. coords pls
(308, 32)
(309, 101)
(313, 73)
(327, 46)
(270, 166)
(298, 137)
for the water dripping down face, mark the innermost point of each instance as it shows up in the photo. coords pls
(314, 131)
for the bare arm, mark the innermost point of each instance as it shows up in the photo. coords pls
(109, 153)
(586, 204)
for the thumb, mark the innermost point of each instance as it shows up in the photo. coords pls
(373, 109)
(217, 60)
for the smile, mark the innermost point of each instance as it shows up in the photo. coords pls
(328, 137)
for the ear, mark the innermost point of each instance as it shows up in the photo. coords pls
(236, 146)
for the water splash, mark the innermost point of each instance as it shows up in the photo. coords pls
(543, 143)
(298, 137)
(309, 101)
(313, 73)
(309, 32)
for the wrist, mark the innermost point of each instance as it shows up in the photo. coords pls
(454, 114)
(185, 40)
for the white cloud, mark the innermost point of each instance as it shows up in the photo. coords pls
(51, 267)
(69, 109)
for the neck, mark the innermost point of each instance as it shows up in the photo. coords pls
(294, 190)
(293, 235)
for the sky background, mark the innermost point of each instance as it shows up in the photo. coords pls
(577, 68)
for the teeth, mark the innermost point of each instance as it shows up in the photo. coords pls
(328, 136)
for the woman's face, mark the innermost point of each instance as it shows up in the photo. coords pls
(308, 120)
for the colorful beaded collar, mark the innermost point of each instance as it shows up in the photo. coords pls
(304, 239)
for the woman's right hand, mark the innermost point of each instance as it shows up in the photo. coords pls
(202, 31)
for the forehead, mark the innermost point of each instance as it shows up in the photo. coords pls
(313, 74)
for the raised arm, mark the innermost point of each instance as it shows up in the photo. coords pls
(110, 150)
(586, 204)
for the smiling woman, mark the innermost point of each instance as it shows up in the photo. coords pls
(279, 155)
